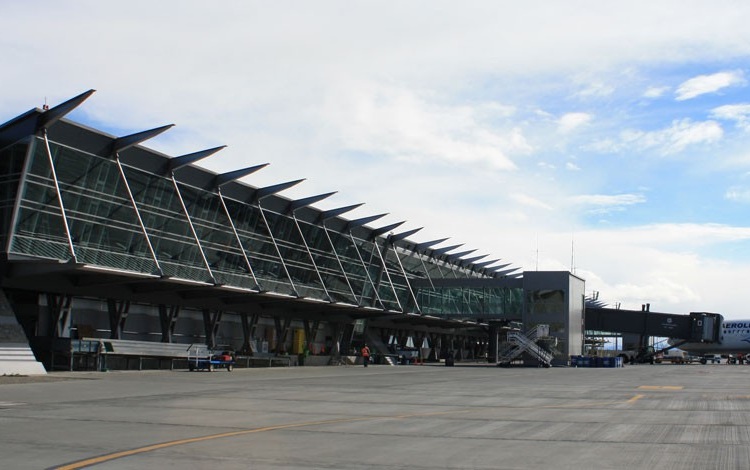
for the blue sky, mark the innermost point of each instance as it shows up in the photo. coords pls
(610, 138)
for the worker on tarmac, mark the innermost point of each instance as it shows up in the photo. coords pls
(365, 354)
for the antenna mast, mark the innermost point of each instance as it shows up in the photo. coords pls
(572, 254)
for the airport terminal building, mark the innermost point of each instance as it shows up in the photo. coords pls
(102, 238)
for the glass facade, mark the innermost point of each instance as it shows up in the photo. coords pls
(123, 217)
(11, 169)
(472, 302)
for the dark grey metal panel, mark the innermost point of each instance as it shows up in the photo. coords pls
(261, 193)
(420, 247)
(144, 159)
(441, 251)
(453, 257)
(228, 177)
(352, 224)
(484, 264)
(466, 282)
(52, 115)
(18, 128)
(382, 230)
(403, 235)
(30, 122)
(505, 272)
(300, 203)
(500, 266)
(125, 142)
(332, 221)
(308, 214)
(467, 261)
(233, 190)
(183, 160)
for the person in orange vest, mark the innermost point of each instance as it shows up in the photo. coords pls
(365, 354)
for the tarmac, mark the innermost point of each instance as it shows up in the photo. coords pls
(381, 417)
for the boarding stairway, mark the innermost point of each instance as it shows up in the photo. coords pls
(519, 342)
(378, 347)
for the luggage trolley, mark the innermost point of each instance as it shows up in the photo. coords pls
(205, 359)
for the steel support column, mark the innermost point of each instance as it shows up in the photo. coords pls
(68, 235)
(59, 308)
(311, 331)
(118, 315)
(168, 320)
(249, 324)
(282, 332)
(193, 231)
(276, 247)
(211, 323)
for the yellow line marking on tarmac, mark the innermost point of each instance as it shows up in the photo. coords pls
(660, 387)
(163, 445)
(635, 398)
(140, 450)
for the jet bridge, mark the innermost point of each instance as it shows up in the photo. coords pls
(701, 327)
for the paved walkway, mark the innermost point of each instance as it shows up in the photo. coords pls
(407, 417)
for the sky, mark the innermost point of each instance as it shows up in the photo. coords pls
(606, 138)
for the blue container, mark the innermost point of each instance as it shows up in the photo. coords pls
(586, 361)
(573, 361)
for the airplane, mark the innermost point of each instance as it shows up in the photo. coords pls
(733, 339)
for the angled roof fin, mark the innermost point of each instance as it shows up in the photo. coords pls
(380, 231)
(330, 213)
(300, 203)
(402, 235)
(230, 176)
(441, 251)
(352, 224)
(456, 256)
(125, 142)
(184, 160)
(260, 193)
(53, 115)
(424, 245)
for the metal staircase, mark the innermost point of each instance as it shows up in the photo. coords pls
(519, 343)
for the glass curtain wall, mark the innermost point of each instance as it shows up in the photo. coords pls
(12, 161)
(380, 279)
(259, 247)
(354, 269)
(325, 256)
(105, 231)
(487, 302)
(103, 223)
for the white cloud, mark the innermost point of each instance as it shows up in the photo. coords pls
(676, 272)
(572, 166)
(703, 84)
(655, 91)
(396, 122)
(571, 121)
(597, 89)
(608, 200)
(674, 139)
(530, 201)
(604, 203)
(738, 194)
(740, 113)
